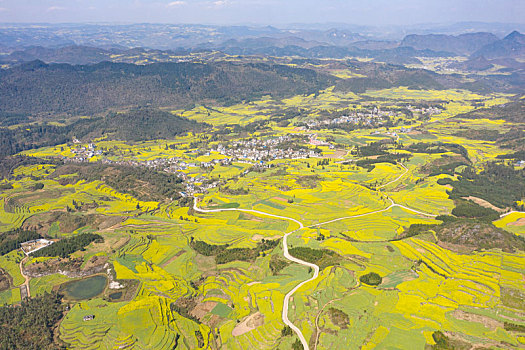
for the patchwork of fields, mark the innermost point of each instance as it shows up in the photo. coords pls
(177, 278)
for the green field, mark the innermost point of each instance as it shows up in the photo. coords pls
(148, 286)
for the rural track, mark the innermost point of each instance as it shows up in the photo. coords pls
(397, 178)
(287, 255)
(26, 283)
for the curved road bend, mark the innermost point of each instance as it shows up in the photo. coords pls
(286, 255)
(299, 261)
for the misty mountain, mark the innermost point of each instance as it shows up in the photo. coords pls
(174, 36)
(474, 64)
(513, 45)
(464, 44)
(68, 54)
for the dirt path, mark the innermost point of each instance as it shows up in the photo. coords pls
(26, 283)
(396, 179)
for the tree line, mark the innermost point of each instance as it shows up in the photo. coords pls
(67, 246)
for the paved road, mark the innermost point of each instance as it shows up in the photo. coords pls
(304, 263)
(287, 255)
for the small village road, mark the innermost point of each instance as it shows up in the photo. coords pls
(287, 255)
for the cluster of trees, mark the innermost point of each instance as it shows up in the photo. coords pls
(277, 264)
(184, 312)
(8, 164)
(308, 181)
(68, 246)
(391, 158)
(141, 124)
(11, 240)
(443, 342)
(26, 137)
(469, 231)
(414, 230)
(320, 257)
(469, 209)
(223, 254)
(519, 155)
(512, 112)
(438, 147)
(447, 167)
(339, 317)
(497, 183)
(286, 331)
(373, 148)
(478, 234)
(142, 183)
(371, 278)
(31, 325)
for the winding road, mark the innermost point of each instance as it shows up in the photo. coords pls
(287, 255)
(315, 268)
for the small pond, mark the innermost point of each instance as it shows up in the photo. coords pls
(115, 296)
(85, 288)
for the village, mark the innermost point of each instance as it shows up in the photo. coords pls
(369, 118)
(257, 152)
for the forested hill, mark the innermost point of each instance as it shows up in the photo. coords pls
(512, 112)
(138, 124)
(36, 87)
(135, 125)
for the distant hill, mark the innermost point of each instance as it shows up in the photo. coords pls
(464, 44)
(36, 87)
(479, 63)
(385, 76)
(68, 54)
(396, 55)
(513, 46)
(512, 112)
(383, 51)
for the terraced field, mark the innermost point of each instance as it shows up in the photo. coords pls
(278, 253)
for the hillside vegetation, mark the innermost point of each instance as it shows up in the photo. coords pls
(138, 124)
(36, 87)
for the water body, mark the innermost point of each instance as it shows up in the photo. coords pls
(85, 288)
(115, 296)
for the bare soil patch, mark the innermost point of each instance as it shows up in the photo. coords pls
(339, 153)
(248, 324)
(484, 320)
(519, 222)
(484, 203)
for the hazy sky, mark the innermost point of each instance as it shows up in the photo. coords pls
(372, 12)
